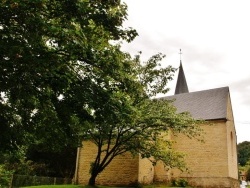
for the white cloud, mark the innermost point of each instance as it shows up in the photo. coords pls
(214, 38)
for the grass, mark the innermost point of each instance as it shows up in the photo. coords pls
(69, 186)
(56, 186)
(78, 186)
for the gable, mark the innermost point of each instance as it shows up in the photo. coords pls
(207, 104)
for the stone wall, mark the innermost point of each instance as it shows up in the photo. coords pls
(123, 170)
(146, 171)
(162, 173)
(208, 158)
(212, 163)
(205, 159)
(231, 142)
(213, 182)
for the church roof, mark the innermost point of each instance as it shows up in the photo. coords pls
(207, 104)
(181, 84)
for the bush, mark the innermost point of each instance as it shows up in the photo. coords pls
(179, 183)
(5, 176)
(183, 183)
(24, 180)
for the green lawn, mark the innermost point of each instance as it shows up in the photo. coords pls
(78, 186)
(68, 186)
(57, 186)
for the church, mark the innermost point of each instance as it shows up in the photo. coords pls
(212, 163)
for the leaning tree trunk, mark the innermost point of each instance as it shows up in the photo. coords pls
(92, 179)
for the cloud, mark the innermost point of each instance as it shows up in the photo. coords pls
(242, 90)
(214, 39)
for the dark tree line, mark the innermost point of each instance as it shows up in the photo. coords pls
(243, 153)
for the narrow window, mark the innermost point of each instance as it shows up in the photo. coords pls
(232, 144)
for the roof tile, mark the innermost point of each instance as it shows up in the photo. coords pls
(207, 104)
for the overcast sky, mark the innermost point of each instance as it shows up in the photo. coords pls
(214, 36)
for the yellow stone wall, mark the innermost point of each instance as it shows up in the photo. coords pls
(162, 173)
(232, 142)
(208, 158)
(123, 170)
(212, 163)
(146, 171)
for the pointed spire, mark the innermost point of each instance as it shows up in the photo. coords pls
(181, 85)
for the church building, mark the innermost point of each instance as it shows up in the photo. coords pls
(212, 163)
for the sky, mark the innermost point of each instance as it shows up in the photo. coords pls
(214, 36)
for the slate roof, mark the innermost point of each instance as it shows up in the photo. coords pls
(207, 104)
(181, 84)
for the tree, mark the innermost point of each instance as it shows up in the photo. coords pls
(64, 78)
(243, 152)
(53, 57)
(51, 163)
(139, 124)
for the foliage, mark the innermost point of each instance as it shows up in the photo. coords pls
(179, 183)
(243, 152)
(32, 161)
(44, 164)
(248, 174)
(244, 170)
(5, 176)
(55, 54)
(140, 124)
(64, 78)
(17, 163)
(26, 180)
(53, 163)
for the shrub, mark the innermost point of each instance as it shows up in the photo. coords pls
(183, 183)
(179, 183)
(5, 176)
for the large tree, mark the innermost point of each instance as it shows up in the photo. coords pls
(63, 78)
(55, 54)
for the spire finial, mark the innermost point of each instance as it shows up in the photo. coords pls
(180, 54)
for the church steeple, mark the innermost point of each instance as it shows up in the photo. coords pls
(181, 85)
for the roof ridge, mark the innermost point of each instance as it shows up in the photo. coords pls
(224, 87)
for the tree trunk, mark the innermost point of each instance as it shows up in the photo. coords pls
(92, 179)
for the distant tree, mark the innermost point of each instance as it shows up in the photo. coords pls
(243, 152)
